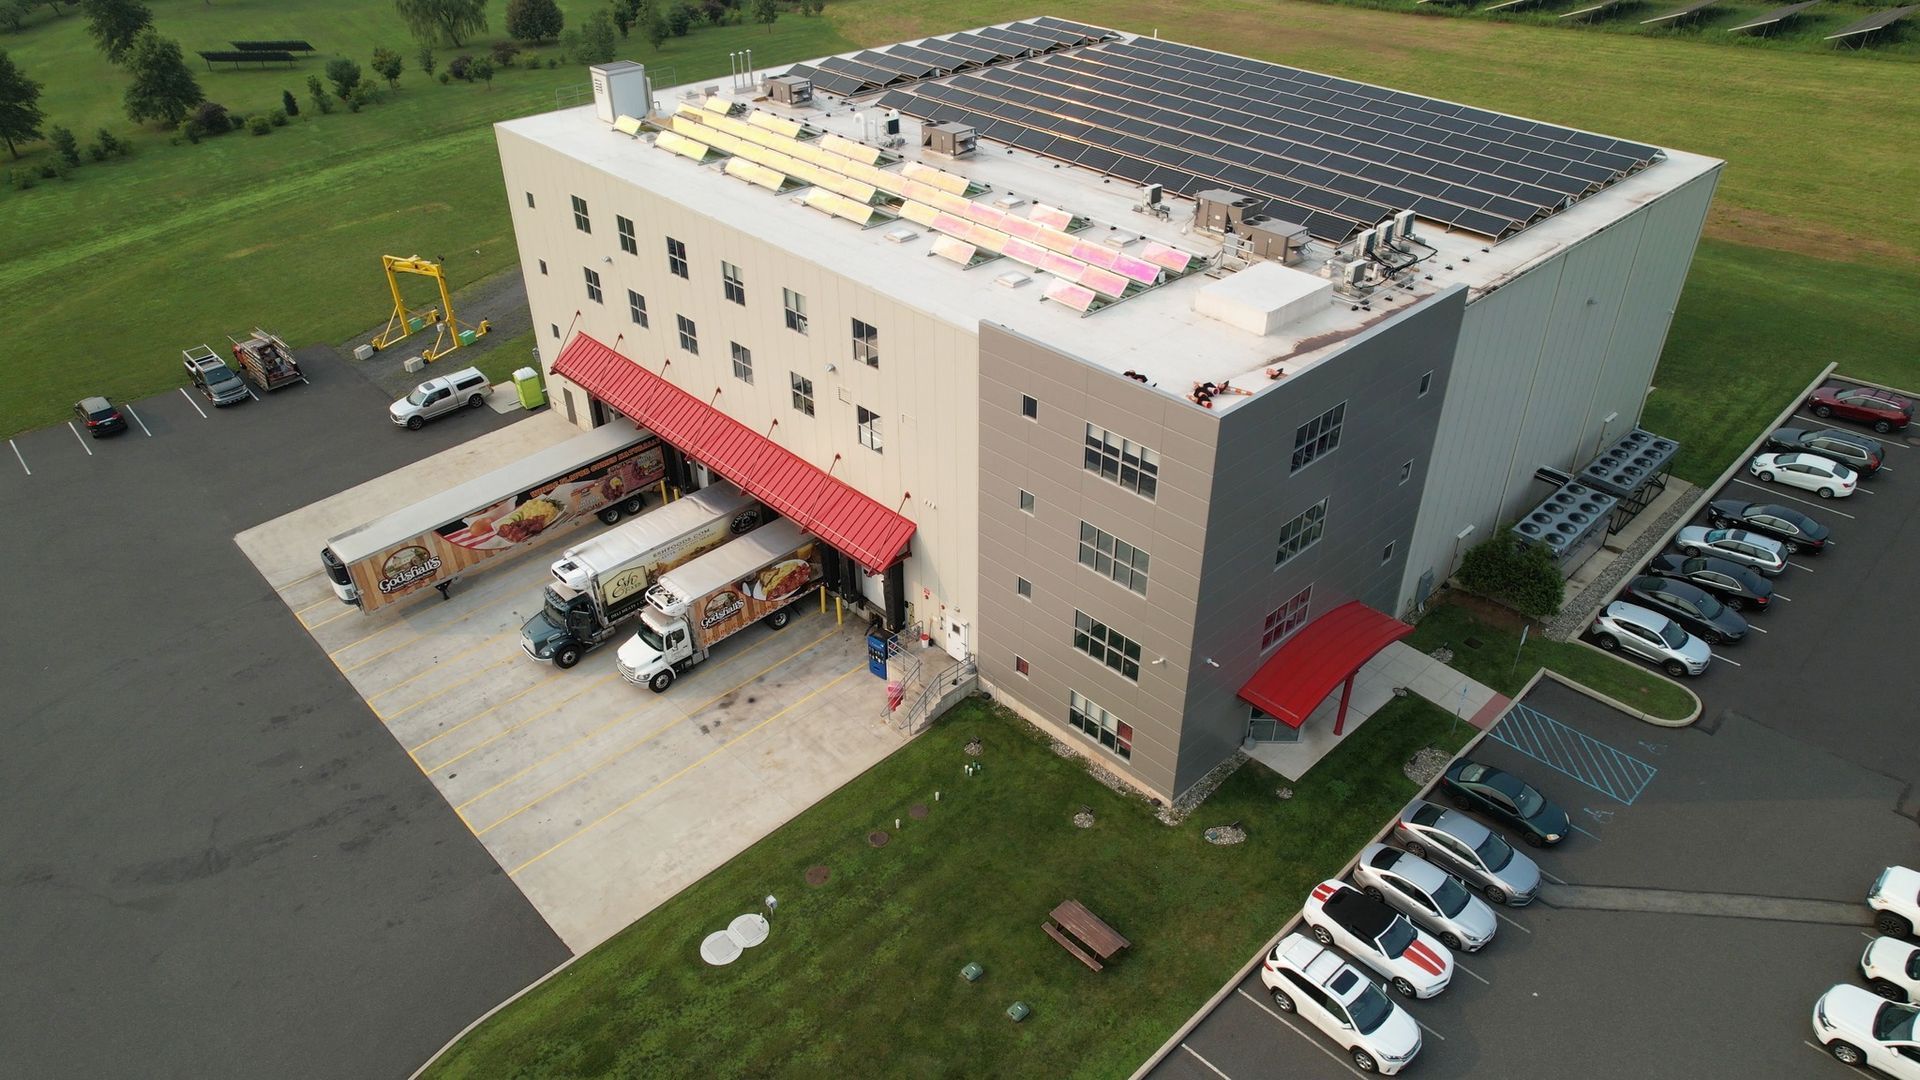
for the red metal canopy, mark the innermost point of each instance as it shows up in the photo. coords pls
(1323, 654)
(862, 529)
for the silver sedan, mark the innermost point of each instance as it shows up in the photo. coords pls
(1426, 894)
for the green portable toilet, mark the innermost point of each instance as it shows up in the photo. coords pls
(526, 382)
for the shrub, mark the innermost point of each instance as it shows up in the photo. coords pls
(534, 20)
(317, 90)
(22, 179)
(65, 144)
(260, 125)
(237, 120)
(679, 20)
(552, 62)
(426, 59)
(361, 97)
(461, 67)
(208, 118)
(1521, 576)
(388, 65)
(48, 171)
(445, 78)
(278, 118)
(110, 145)
(503, 53)
(344, 74)
(289, 104)
(483, 71)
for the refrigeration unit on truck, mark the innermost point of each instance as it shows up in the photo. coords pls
(603, 473)
(696, 606)
(599, 584)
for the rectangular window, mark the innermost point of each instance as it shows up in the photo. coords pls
(1426, 383)
(593, 284)
(1099, 725)
(869, 427)
(1406, 471)
(627, 242)
(1386, 553)
(1285, 619)
(676, 258)
(802, 393)
(580, 215)
(1029, 408)
(1026, 500)
(1107, 645)
(555, 327)
(866, 343)
(1020, 665)
(529, 200)
(1123, 461)
(1112, 557)
(742, 363)
(1023, 587)
(796, 308)
(1302, 532)
(637, 307)
(543, 268)
(1318, 437)
(689, 335)
(733, 284)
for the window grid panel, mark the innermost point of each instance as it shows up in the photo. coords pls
(802, 393)
(1113, 557)
(689, 335)
(1026, 500)
(1123, 461)
(1029, 407)
(529, 200)
(637, 308)
(869, 427)
(580, 219)
(1099, 725)
(628, 243)
(1023, 587)
(1107, 645)
(733, 284)
(1318, 437)
(1020, 665)
(676, 258)
(1302, 532)
(795, 306)
(742, 363)
(866, 343)
(593, 284)
(1286, 618)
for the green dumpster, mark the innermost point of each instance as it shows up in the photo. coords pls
(526, 382)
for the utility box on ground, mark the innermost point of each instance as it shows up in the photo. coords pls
(526, 383)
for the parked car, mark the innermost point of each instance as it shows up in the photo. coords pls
(1762, 553)
(1652, 636)
(99, 416)
(1500, 795)
(1313, 983)
(1895, 897)
(1414, 964)
(1431, 897)
(1858, 452)
(1460, 844)
(1882, 410)
(1739, 588)
(466, 388)
(1694, 609)
(1859, 1028)
(1796, 531)
(214, 379)
(1892, 968)
(1824, 477)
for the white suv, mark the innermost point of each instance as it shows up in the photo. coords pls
(1649, 634)
(1895, 899)
(1426, 894)
(1858, 1028)
(1892, 968)
(1310, 981)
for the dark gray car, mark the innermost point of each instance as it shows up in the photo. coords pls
(1692, 607)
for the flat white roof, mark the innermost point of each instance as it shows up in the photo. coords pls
(1157, 334)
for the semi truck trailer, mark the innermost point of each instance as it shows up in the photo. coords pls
(603, 582)
(700, 604)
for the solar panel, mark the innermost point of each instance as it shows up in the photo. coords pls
(958, 251)
(1077, 297)
(1091, 33)
(1879, 20)
(1777, 15)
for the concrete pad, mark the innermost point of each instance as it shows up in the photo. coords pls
(504, 398)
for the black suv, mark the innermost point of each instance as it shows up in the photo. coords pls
(1795, 530)
(99, 416)
(1857, 452)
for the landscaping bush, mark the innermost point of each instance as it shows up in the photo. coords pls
(361, 97)
(445, 78)
(388, 65)
(318, 92)
(289, 105)
(105, 145)
(344, 74)
(552, 62)
(426, 60)
(237, 120)
(277, 118)
(47, 170)
(503, 53)
(461, 67)
(1521, 576)
(207, 118)
(65, 145)
(260, 125)
(21, 179)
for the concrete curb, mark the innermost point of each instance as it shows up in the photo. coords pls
(1657, 721)
(1200, 1014)
(489, 1014)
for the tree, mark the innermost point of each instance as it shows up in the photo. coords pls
(679, 20)
(625, 14)
(455, 20)
(425, 59)
(483, 70)
(14, 13)
(20, 113)
(289, 104)
(656, 25)
(597, 42)
(344, 74)
(116, 24)
(65, 145)
(163, 89)
(387, 64)
(765, 11)
(318, 92)
(534, 20)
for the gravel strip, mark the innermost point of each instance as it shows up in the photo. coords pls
(1577, 613)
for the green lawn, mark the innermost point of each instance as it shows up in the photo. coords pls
(1492, 654)
(861, 976)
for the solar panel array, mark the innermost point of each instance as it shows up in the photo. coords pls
(876, 69)
(1331, 154)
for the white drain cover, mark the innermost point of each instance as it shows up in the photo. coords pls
(748, 930)
(720, 948)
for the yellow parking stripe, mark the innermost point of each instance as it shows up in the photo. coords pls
(351, 610)
(595, 823)
(428, 670)
(504, 732)
(385, 717)
(415, 750)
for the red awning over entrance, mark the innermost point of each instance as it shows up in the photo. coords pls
(857, 526)
(1322, 655)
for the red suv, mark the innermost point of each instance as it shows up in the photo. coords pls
(1883, 410)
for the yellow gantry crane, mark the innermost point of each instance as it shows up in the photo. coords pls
(448, 333)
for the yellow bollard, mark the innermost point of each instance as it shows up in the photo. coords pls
(823, 601)
(663, 492)
(839, 612)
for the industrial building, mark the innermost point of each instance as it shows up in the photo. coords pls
(1157, 379)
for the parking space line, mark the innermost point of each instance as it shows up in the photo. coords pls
(1788, 599)
(1582, 831)
(1756, 629)
(1724, 660)
(137, 420)
(190, 401)
(415, 750)
(1428, 1029)
(396, 624)
(252, 395)
(22, 457)
(1470, 971)
(1317, 1044)
(1866, 935)
(1551, 878)
(517, 656)
(1862, 489)
(729, 744)
(83, 442)
(1816, 1049)
(428, 670)
(1774, 489)
(503, 733)
(335, 617)
(329, 599)
(1204, 1061)
(1800, 566)
(1510, 921)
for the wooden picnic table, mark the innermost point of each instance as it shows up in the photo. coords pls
(1084, 934)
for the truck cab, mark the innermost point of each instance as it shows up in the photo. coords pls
(661, 647)
(565, 628)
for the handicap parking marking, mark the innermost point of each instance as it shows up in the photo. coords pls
(137, 420)
(190, 401)
(83, 442)
(1317, 1044)
(1511, 921)
(1210, 1065)
(1571, 752)
(22, 457)
(1724, 660)
(1774, 490)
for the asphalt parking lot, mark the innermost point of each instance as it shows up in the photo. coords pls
(218, 861)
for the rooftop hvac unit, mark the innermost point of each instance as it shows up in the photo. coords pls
(1356, 274)
(1223, 211)
(1570, 524)
(1403, 225)
(1270, 238)
(790, 90)
(620, 89)
(1385, 232)
(892, 124)
(1154, 192)
(950, 140)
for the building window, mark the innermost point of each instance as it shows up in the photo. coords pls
(580, 215)
(529, 200)
(676, 258)
(1285, 619)
(1113, 557)
(1302, 532)
(1029, 408)
(869, 427)
(1318, 437)
(866, 343)
(796, 308)
(742, 363)
(1026, 500)
(637, 307)
(1023, 587)
(733, 284)
(543, 268)
(1426, 383)
(689, 335)
(1020, 665)
(802, 393)
(1123, 461)
(1386, 553)
(1107, 645)
(555, 327)
(627, 243)
(593, 284)
(1406, 471)
(1099, 725)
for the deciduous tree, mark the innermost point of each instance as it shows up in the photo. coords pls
(163, 89)
(387, 64)
(534, 20)
(20, 113)
(115, 24)
(455, 20)
(766, 11)
(597, 42)
(344, 74)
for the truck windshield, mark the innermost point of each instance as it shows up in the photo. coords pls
(652, 637)
(419, 395)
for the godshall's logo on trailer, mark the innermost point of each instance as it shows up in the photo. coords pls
(720, 609)
(406, 566)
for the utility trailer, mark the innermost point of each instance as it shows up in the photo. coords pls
(267, 361)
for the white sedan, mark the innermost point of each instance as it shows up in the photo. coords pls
(1415, 965)
(1860, 1029)
(1311, 982)
(1892, 968)
(1428, 895)
(1824, 477)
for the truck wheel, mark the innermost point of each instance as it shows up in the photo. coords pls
(779, 619)
(414, 423)
(634, 505)
(610, 516)
(661, 680)
(567, 656)
(476, 401)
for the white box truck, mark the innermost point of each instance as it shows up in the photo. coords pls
(696, 606)
(601, 583)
